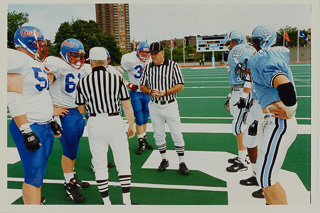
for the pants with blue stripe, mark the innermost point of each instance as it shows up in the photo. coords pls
(278, 135)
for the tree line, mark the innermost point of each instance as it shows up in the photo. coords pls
(91, 35)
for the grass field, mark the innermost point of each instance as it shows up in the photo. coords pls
(209, 143)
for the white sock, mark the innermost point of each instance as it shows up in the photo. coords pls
(144, 134)
(106, 200)
(254, 168)
(68, 176)
(126, 198)
(140, 136)
(181, 159)
(164, 155)
(242, 154)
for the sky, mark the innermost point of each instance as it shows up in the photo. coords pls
(162, 21)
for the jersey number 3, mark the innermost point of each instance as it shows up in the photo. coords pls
(41, 76)
(139, 71)
(70, 83)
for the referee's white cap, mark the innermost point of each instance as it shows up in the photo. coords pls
(97, 53)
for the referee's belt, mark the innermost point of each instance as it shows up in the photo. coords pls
(164, 102)
(109, 114)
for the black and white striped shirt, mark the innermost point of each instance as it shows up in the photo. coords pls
(162, 77)
(101, 91)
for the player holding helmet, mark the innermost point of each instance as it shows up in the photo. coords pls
(273, 82)
(134, 63)
(235, 103)
(64, 73)
(30, 107)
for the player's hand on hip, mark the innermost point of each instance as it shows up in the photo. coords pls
(60, 111)
(241, 103)
(131, 131)
(30, 139)
(56, 128)
(132, 87)
(278, 111)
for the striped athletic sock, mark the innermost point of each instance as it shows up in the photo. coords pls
(163, 150)
(103, 189)
(125, 182)
(180, 152)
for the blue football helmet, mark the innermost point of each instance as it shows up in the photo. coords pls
(72, 52)
(238, 36)
(143, 51)
(265, 35)
(108, 56)
(32, 40)
(239, 60)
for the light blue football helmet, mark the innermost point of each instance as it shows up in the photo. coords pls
(264, 34)
(143, 51)
(239, 59)
(72, 48)
(238, 36)
(31, 39)
(108, 56)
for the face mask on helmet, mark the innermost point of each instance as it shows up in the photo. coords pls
(143, 51)
(31, 39)
(72, 52)
(264, 36)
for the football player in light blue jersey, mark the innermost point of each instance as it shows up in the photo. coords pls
(235, 103)
(274, 85)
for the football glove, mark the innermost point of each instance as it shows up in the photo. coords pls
(226, 104)
(253, 128)
(55, 127)
(30, 139)
(241, 103)
(133, 87)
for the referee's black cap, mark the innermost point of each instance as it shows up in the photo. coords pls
(156, 47)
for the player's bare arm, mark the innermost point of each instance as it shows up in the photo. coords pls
(82, 108)
(14, 91)
(128, 111)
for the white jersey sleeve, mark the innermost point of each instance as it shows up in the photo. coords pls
(52, 65)
(114, 70)
(17, 62)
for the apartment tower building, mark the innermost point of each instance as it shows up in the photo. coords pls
(113, 19)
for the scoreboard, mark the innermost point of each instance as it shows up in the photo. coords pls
(212, 43)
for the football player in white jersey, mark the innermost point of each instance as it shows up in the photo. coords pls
(30, 107)
(64, 73)
(134, 63)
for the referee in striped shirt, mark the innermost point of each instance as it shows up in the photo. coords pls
(100, 92)
(162, 80)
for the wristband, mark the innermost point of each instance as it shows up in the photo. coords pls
(150, 92)
(25, 128)
(244, 95)
(15, 104)
(166, 92)
(291, 110)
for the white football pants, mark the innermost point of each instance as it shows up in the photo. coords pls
(159, 114)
